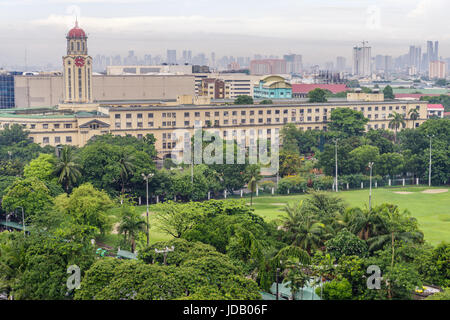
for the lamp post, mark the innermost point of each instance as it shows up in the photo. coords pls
(370, 188)
(429, 168)
(335, 154)
(146, 177)
(278, 270)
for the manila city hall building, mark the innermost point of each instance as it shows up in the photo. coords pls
(78, 117)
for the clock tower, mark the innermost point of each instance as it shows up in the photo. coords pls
(77, 68)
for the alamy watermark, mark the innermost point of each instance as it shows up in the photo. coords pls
(74, 280)
(374, 281)
(257, 146)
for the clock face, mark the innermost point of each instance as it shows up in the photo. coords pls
(79, 61)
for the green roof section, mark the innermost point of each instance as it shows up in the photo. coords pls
(123, 254)
(306, 293)
(12, 224)
(421, 91)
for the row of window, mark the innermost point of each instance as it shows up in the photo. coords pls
(56, 139)
(259, 112)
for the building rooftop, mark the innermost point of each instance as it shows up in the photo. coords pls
(305, 88)
(435, 107)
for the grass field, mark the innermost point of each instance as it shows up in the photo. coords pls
(431, 210)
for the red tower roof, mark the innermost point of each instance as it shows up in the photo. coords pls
(76, 32)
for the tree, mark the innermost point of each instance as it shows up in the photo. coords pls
(413, 115)
(253, 175)
(303, 228)
(317, 95)
(365, 223)
(131, 224)
(88, 206)
(398, 120)
(42, 167)
(389, 164)
(444, 295)
(396, 226)
(440, 82)
(336, 290)
(242, 99)
(266, 101)
(362, 156)
(113, 163)
(346, 243)
(176, 219)
(295, 279)
(126, 168)
(40, 261)
(388, 93)
(67, 168)
(347, 122)
(382, 139)
(290, 164)
(31, 194)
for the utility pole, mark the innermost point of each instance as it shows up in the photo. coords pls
(146, 178)
(429, 168)
(370, 188)
(165, 251)
(335, 154)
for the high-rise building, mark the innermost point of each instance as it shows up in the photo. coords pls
(187, 56)
(436, 50)
(268, 66)
(340, 64)
(131, 60)
(437, 70)
(171, 56)
(213, 59)
(414, 57)
(362, 60)
(294, 63)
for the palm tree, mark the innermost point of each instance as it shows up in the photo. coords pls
(126, 168)
(304, 228)
(67, 169)
(398, 120)
(295, 279)
(131, 224)
(253, 176)
(364, 223)
(413, 115)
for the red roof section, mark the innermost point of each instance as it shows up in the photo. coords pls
(436, 106)
(76, 32)
(305, 88)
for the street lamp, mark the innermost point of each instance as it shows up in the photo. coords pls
(429, 168)
(335, 153)
(370, 188)
(146, 178)
(278, 270)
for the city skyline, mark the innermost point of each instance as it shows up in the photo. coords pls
(35, 27)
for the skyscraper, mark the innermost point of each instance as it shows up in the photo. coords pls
(293, 63)
(340, 64)
(187, 56)
(171, 56)
(436, 50)
(362, 60)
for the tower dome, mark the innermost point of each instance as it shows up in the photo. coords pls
(76, 32)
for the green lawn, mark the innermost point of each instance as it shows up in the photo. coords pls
(431, 210)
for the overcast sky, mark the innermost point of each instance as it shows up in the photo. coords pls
(320, 30)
